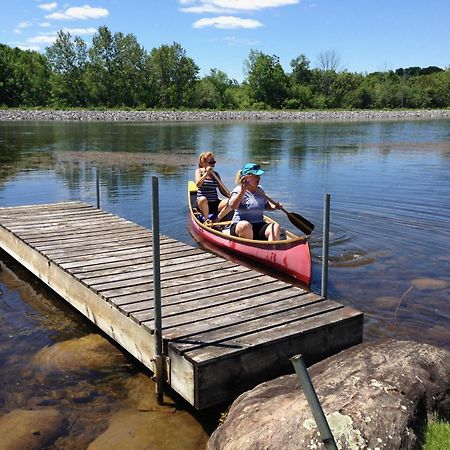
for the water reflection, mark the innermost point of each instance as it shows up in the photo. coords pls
(390, 234)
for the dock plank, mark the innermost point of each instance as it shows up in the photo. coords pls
(193, 299)
(225, 311)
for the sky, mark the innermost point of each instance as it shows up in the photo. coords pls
(366, 35)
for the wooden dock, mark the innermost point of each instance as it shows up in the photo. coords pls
(226, 327)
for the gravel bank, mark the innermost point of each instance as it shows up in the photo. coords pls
(179, 116)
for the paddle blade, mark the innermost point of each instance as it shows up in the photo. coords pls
(300, 222)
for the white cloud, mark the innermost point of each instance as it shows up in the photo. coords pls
(42, 39)
(80, 31)
(45, 39)
(25, 24)
(45, 24)
(221, 6)
(226, 22)
(48, 6)
(79, 13)
(21, 26)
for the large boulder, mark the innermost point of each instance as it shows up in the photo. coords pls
(30, 429)
(376, 395)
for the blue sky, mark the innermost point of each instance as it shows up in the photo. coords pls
(367, 35)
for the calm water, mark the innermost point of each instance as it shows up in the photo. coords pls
(390, 217)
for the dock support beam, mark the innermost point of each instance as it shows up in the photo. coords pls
(325, 244)
(159, 371)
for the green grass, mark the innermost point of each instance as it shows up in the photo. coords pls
(437, 436)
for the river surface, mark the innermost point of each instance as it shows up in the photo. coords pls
(389, 233)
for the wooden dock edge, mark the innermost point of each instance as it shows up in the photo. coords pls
(132, 337)
(232, 375)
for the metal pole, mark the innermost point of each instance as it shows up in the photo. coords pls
(157, 291)
(97, 186)
(325, 244)
(313, 402)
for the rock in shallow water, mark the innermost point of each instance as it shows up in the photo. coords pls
(130, 429)
(431, 284)
(91, 352)
(376, 395)
(31, 430)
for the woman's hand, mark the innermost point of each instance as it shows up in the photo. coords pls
(278, 206)
(244, 183)
(274, 205)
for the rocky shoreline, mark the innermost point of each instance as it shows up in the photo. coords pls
(198, 116)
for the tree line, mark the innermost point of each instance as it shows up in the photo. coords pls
(117, 72)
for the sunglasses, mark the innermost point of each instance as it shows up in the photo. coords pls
(211, 162)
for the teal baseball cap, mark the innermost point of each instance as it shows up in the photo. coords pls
(252, 169)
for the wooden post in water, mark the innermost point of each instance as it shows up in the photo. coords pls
(97, 186)
(325, 244)
(159, 375)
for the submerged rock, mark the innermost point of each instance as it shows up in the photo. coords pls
(91, 352)
(142, 395)
(375, 395)
(424, 284)
(130, 429)
(24, 429)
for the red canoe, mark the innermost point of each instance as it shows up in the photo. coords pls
(290, 256)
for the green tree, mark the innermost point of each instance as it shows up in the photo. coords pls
(434, 89)
(68, 61)
(35, 79)
(217, 87)
(129, 70)
(206, 95)
(267, 81)
(342, 89)
(8, 88)
(363, 96)
(301, 73)
(172, 76)
(24, 76)
(101, 70)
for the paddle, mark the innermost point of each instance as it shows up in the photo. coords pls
(296, 219)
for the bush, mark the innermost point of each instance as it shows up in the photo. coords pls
(291, 103)
(259, 106)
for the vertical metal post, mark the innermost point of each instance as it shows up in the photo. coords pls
(325, 244)
(97, 186)
(157, 291)
(313, 402)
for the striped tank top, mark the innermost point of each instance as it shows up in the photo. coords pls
(208, 189)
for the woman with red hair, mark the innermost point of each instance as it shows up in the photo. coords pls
(206, 179)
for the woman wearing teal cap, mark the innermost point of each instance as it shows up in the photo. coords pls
(249, 205)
